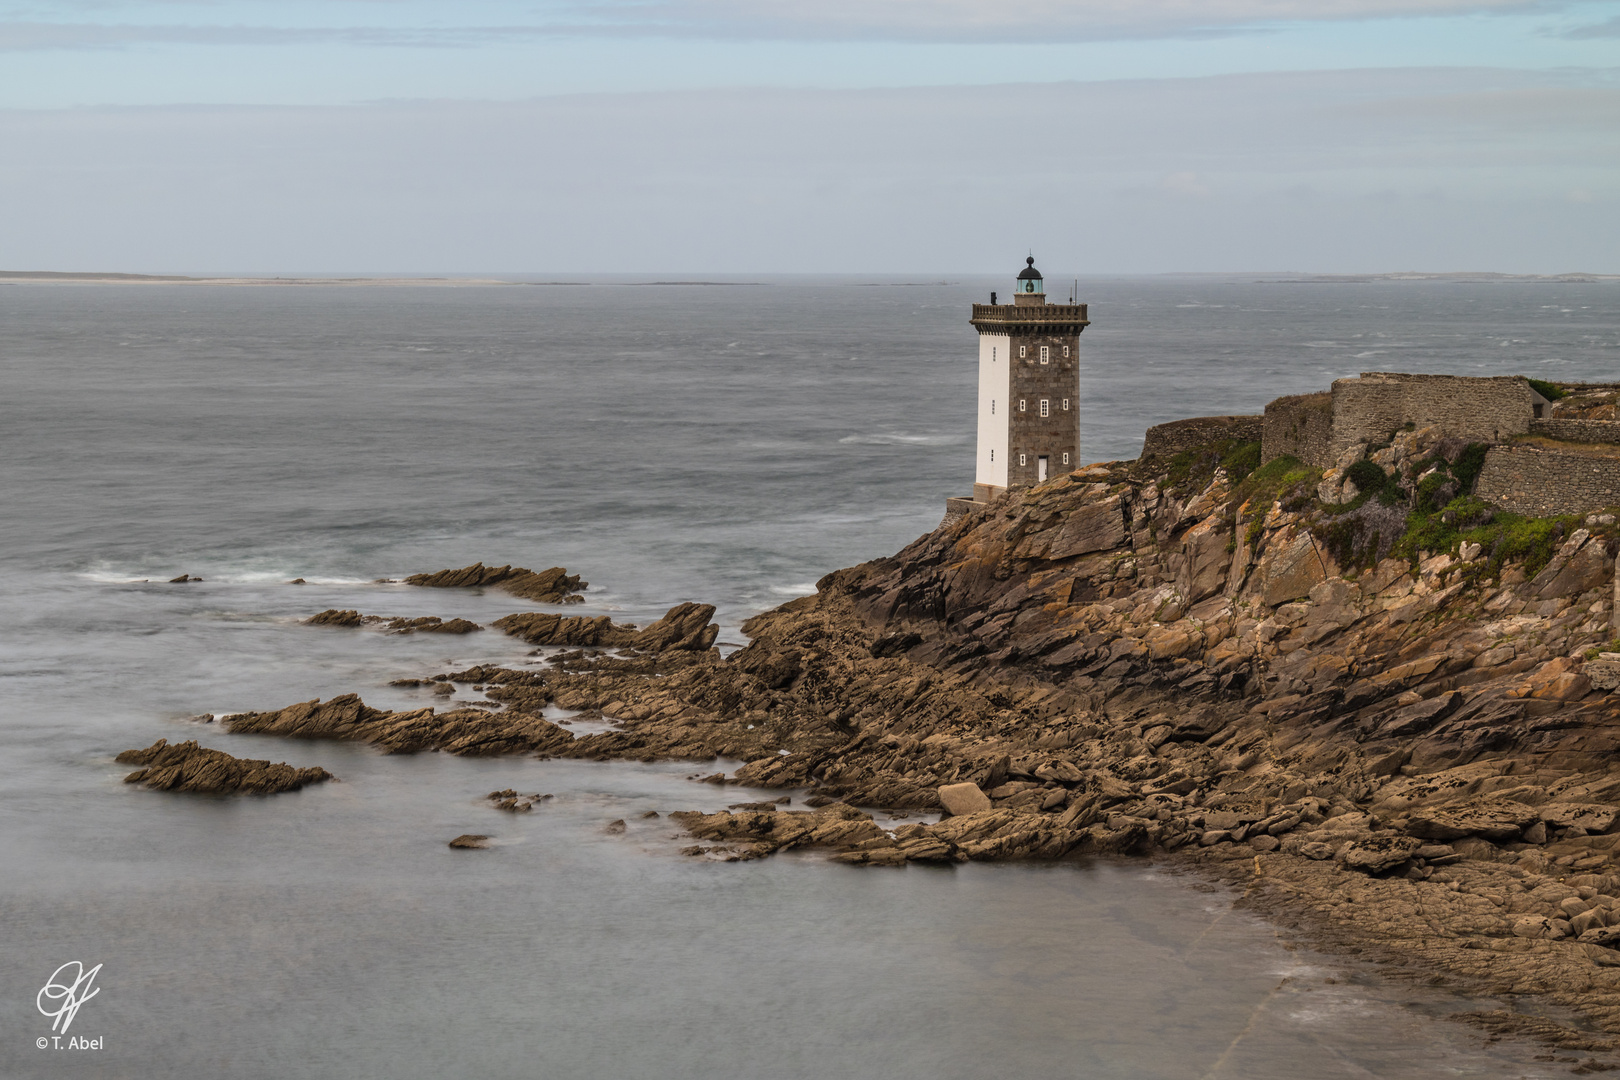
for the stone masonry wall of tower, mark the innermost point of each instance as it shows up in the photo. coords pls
(1031, 435)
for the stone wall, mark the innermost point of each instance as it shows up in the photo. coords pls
(1301, 425)
(1541, 483)
(1166, 440)
(1587, 431)
(1370, 408)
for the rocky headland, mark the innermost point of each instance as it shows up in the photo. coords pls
(1384, 708)
(189, 767)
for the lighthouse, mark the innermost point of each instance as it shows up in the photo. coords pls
(1029, 390)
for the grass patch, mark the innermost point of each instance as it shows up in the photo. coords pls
(1503, 537)
(1190, 472)
(1550, 391)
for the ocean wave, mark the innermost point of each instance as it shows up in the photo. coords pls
(896, 438)
(107, 575)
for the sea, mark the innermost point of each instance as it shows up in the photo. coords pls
(727, 442)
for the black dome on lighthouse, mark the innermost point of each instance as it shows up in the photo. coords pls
(1029, 271)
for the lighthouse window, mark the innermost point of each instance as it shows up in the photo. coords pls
(1065, 352)
(1065, 404)
(1021, 407)
(1021, 460)
(1065, 459)
(993, 406)
(1046, 409)
(1023, 351)
(1046, 355)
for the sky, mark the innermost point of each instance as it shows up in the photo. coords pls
(822, 136)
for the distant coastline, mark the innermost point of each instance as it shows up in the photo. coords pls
(65, 277)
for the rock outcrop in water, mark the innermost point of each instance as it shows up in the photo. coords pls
(684, 628)
(469, 732)
(189, 767)
(553, 586)
(428, 624)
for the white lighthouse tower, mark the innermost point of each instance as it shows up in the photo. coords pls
(1029, 390)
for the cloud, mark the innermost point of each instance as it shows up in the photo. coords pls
(941, 21)
(1607, 29)
(1330, 170)
(1005, 20)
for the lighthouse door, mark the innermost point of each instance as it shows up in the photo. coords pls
(1040, 469)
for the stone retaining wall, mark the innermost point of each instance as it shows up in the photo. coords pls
(1301, 425)
(1166, 440)
(1371, 407)
(1588, 431)
(1541, 483)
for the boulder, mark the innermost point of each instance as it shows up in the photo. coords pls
(1604, 673)
(1589, 817)
(1492, 818)
(1376, 854)
(961, 799)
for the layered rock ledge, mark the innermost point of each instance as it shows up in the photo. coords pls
(553, 586)
(427, 624)
(189, 767)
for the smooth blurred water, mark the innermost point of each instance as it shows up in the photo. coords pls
(725, 444)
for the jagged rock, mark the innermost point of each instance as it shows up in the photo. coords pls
(1291, 571)
(553, 586)
(334, 617)
(432, 624)
(547, 628)
(685, 627)
(471, 732)
(512, 802)
(188, 767)
(470, 842)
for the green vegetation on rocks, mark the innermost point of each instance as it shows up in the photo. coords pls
(1550, 391)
